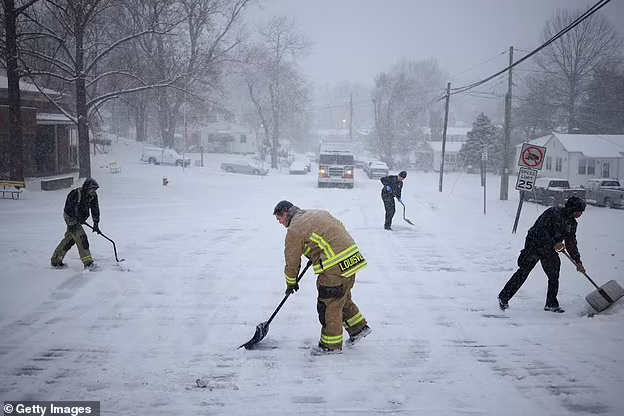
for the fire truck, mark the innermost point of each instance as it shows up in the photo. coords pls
(336, 165)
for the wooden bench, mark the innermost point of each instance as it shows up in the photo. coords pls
(57, 183)
(13, 188)
(114, 168)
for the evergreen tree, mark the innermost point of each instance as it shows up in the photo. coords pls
(484, 137)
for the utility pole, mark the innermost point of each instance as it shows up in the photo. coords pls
(351, 119)
(504, 188)
(446, 111)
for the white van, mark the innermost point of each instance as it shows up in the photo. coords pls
(163, 156)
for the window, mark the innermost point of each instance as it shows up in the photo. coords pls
(558, 162)
(243, 138)
(450, 157)
(582, 166)
(548, 163)
(591, 167)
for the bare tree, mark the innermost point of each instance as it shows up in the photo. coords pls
(208, 33)
(536, 113)
(401, 98)
(9, 52)
(571, 60)
(71, 43)
(274, 82)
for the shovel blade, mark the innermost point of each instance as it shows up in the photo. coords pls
(408, 221)
(607, 295)
(261, 331)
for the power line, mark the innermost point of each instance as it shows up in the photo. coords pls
(479, 64)
(576, 22)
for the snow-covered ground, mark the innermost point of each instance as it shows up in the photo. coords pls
(206, 266)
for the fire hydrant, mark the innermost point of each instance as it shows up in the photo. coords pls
(165, 181)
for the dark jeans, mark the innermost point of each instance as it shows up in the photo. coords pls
(527, 260)
(390, 210)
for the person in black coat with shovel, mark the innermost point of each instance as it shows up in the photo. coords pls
(553, 231)
(79, 203)
(392, 186)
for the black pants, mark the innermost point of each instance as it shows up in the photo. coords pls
(390, 210)
(527, 260)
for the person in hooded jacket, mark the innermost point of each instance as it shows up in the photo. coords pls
(80, 203)
(392, 186)
(553, 231)
(324, 240)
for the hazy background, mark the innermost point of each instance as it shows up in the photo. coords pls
(356, 39)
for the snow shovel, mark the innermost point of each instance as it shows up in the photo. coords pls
(406, 220)
(263, 328)
(605, 295)
(114, 247)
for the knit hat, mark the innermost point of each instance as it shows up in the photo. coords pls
(403, 174)
(575, 204)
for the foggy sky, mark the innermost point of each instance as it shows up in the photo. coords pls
(356, 39)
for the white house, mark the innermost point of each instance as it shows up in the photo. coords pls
(226, 137)
(580, 157)
(451, 155)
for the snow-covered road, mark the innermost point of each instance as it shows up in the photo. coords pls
(206, 257)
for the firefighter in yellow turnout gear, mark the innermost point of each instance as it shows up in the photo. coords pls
(323, 239)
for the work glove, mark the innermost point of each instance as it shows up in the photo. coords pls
(290, 289)
(96, 228)
(580, 268)
(388, 188)
(560, 246)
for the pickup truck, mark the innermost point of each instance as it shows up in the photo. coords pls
(163, 156)
(553, 191)
(604, 192)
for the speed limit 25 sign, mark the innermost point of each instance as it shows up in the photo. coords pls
(526, 179)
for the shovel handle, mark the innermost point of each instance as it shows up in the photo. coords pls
(307, 266)
(588, 278)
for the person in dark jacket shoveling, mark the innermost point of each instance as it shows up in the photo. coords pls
(553, 231)
(392, 186)
(77, 206)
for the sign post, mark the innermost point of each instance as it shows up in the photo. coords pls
(531, 161)
(484, 158)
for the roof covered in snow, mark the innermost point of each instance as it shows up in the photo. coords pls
(450, 146)
(24, 86)
(590, 145)
(593, 145)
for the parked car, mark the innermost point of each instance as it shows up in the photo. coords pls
(378, 170)
(604, 192)
(243, 167)
(367, 164)
(298, 167)
(306, 162)
(163, 156)
(553, 191)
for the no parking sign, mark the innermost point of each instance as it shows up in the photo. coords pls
(531, 160)
(532, 156)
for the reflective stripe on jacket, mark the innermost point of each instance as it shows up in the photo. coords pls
(324, 240)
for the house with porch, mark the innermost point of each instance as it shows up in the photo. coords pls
(580, 157)
(226, 137)
(50, 138)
